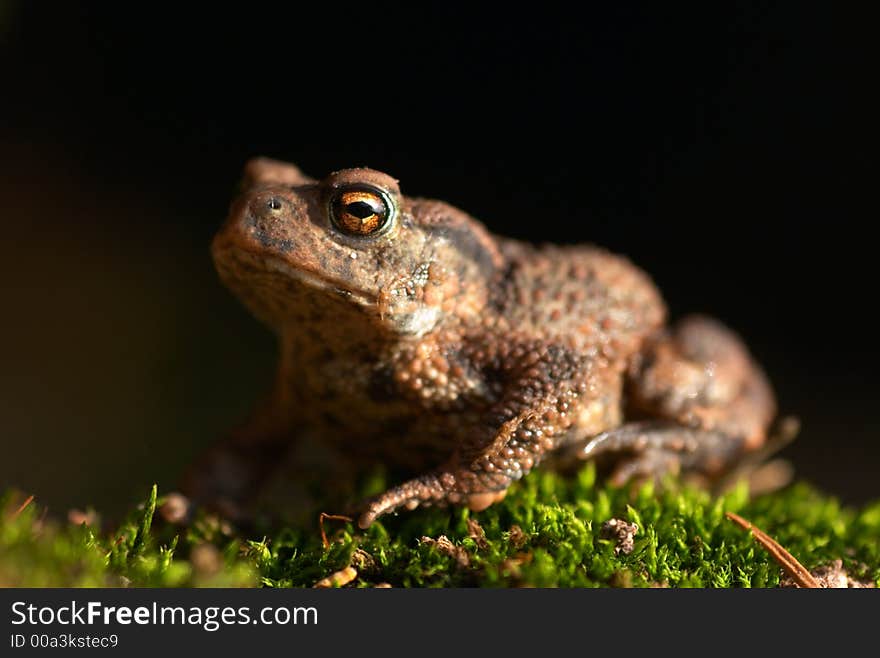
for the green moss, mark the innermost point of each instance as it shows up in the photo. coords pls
(546, 533)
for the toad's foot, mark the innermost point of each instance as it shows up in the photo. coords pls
(441, 488)
(712, 458)
(659, 448)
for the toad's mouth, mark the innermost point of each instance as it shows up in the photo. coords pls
(273, 278)
(321, 281)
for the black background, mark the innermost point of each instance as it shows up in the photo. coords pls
(730, 152)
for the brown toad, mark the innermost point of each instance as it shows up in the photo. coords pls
(411, 335)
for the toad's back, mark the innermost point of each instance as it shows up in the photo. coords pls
(595, 302)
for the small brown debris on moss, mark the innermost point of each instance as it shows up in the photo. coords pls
(363, 561)
(476, 532)
(339, 579)
(206, 559)
(831, 576)
(516, 536)
(175, 509)
(622, 533)
(446, 547)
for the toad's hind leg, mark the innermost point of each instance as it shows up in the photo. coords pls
(228, 475)
(703, 406)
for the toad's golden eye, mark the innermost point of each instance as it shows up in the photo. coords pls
(361, 211)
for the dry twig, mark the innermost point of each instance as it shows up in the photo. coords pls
(332, 517)
(795, 570)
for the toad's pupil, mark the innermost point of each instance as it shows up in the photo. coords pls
(361, 209)
(360, 212)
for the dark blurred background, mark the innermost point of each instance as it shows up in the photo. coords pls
(730, 152)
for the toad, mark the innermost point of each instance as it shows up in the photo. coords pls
(410, 335)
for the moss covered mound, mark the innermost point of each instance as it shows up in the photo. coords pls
(547, 532)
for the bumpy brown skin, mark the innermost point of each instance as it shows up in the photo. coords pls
(464, 357)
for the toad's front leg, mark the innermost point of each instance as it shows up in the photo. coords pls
(543, 389)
